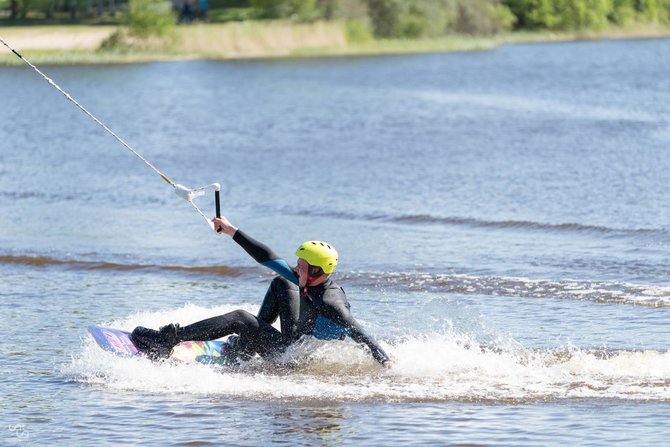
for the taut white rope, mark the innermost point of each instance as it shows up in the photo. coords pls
(182, 191)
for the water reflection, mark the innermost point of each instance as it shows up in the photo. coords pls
(306, 425)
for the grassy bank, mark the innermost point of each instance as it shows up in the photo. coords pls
(79, 44)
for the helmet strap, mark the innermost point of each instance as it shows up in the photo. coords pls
(313, 273)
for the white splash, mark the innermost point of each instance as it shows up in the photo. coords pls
(432, 367)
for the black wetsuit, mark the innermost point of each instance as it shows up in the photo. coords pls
(322, 312)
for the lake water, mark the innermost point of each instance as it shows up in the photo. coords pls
(502, 218)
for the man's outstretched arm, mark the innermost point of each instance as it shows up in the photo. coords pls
(260, 252)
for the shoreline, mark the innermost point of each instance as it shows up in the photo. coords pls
(78, 44)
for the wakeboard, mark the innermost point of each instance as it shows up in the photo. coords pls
(118, 342)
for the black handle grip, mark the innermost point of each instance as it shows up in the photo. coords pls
(217, 199)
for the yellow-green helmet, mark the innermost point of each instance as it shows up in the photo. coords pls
(318, 254)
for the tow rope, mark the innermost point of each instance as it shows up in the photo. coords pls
(181, 191)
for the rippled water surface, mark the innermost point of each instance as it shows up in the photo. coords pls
(502, 218)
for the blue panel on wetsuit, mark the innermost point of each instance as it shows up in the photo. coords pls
(327, 329)
(280, 266)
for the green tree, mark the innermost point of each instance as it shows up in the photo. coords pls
(420, 18)
(581, 15)
(664, 8)
(543, 14)
(385, 17)
(623, 12)
(14, 9)
(650, 10)
(483, 17)
(148, 18)
(573, 15)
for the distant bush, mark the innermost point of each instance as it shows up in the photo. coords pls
(483, 17)
(344, 10)
(385, 17)
(232, 15)
(664, 16)
(357, 32)
(148, 23)
(299, 10)
(116, 41)
(623, 12)
(148, 18)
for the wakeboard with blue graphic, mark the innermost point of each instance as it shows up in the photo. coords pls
(118, 342)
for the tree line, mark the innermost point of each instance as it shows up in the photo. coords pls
(396, 18)
(430, 18)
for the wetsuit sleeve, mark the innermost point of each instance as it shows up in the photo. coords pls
(269, 310)
(360, 336)
(342, 315)
(264, 255)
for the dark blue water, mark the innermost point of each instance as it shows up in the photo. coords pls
(502, 218)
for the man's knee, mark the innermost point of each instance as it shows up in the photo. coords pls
(244, 318)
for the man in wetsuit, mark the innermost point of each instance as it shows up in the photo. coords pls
(304, 298)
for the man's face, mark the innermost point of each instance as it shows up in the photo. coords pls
(303, 269)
